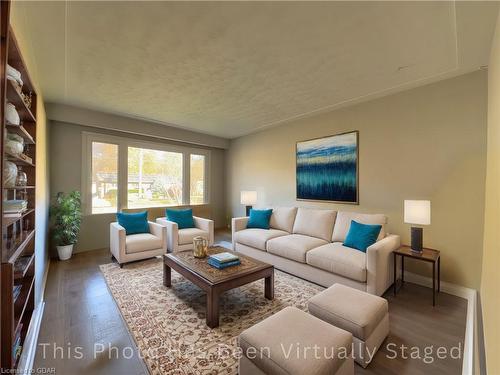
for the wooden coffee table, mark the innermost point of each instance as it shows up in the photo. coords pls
(214, 281)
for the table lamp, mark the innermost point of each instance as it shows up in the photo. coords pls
(248, 198)
(417, 212)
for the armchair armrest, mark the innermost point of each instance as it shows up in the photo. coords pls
(159, 231)
(206, 225)
(380, 264)
(172, 233)
(237, 224)
(117, 241)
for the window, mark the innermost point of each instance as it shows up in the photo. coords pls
(120, 173)
(104, 187)
(154, 178)
(197, 179)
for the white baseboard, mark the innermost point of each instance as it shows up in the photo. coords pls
(471, 296)
(30, 342)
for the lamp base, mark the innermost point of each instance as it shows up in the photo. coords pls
(416, 239)
(248, 208)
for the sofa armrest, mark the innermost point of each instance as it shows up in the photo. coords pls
(237, 224)
(117, 237)
(159, 231)
(206, 225)
(172, 233)
(380, 264)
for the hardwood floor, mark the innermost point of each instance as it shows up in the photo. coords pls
(81, 315)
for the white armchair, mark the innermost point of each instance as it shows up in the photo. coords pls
(182, 239)
(137, 246)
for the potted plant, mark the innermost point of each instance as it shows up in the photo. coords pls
(67, 215)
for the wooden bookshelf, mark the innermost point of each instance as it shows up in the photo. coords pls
(17, 243)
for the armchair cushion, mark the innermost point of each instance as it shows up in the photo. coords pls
(133, 223)
(183, 218)
(136, 243)
(186, 235)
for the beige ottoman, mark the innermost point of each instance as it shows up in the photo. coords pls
(294, 342)
(365, 315)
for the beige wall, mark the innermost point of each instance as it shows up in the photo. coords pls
(109, 121)
(490, 282)
(42, 179)
(66, 172)
(425, 143)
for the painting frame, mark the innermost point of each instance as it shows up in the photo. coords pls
(353, 202)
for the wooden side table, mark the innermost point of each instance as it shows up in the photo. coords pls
(427, 255)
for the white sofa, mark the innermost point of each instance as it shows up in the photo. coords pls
(182, 239)
(308, 243)
(137, 246)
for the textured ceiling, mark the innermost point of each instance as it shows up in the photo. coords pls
(230, 69)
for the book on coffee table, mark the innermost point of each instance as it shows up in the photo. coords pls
(223, 257)
(221, 266)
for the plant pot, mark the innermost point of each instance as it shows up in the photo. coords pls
(65, 252)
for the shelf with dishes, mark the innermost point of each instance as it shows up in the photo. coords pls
(22, 132)
(19, 160)
(14, 97)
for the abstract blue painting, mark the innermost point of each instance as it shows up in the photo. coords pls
(327, 168)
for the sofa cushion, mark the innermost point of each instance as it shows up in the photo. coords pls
(283, 218)
(343, 222)
(186, 235)
(257, 238)
(350, 309)
(275, 336)
(136, 243)
(293, 246)
(314, 223)
(339, 259)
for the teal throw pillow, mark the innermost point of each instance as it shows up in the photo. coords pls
(134, 223)
(259, 218)
(361, 236)
(183, 218)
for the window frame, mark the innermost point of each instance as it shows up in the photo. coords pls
(123, 144)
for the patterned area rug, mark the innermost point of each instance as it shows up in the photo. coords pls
(168, 324)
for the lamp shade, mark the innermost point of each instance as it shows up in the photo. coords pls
(417, 212)
(248, 198)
